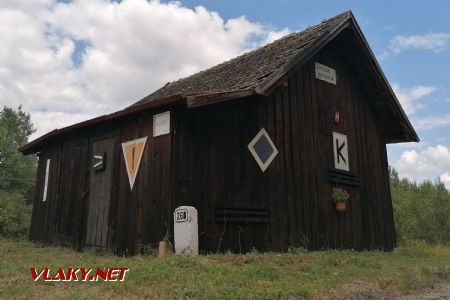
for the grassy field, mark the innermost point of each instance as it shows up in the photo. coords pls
(293, 275)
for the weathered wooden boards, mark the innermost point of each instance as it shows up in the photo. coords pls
(295, 188)
(100, 190)
(200, 157)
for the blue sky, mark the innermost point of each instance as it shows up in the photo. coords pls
(381, 22)
(66, 61)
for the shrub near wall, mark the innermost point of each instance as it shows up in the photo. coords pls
(15, 215)
(421, 211)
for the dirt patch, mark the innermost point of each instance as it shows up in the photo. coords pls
(440, 291)
(360, 290)
(364, 290)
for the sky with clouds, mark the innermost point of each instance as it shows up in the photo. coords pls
(67, 61)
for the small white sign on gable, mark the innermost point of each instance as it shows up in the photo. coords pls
(161, 124)
(326, 73)
(340, 148)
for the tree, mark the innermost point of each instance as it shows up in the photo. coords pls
(421, 210)
(17, 172)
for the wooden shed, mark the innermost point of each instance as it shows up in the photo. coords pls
(257, 144)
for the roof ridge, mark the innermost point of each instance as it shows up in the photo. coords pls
(258, 73)
(308, 34)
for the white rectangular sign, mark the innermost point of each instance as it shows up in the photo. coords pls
(326, 73)
(161, 124)
(340, 148)
(47, 171)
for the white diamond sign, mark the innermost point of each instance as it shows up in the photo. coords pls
(263, 149)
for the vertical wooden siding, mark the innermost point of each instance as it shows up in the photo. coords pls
(143, 215)
(369, 222)
(213, 167)
(101, 187)
(72, 193)
(44, 214)
(205, 163)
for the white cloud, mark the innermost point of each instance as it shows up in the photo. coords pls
(432, 122)
(50, 120)
(410, 145)
(409, 97)
(445, 178)
(436, 42)
(275, 35)
(428, 163)
(134, 47)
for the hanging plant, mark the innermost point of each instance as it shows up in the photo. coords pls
(340, 198)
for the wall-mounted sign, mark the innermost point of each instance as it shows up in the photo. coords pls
(47, 172)
(132, 152)
(340, 148)
(326, 73)
(337, 115)
(262, 149)
(161, 124)
(99, 161)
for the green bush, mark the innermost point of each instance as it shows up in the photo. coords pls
(15, 215)
(421, 211)
(17, 172)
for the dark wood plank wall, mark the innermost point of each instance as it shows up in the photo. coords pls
(220, 172)
(139, 217)
(44, 214)
(211, 170)
(101, 186)
(142, 216)
(213, 167)
(369, 222)
(35, 226)
(61, 219)
(72, 192)
(205, 163)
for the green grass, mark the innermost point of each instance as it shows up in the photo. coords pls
(297, 274)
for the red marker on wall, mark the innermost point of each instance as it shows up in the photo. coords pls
(336, 117)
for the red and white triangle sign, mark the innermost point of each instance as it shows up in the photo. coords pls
(132, 152)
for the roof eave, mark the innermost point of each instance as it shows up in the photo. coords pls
(204, 99)
(35, 145)
(271, 82)
(410, 133)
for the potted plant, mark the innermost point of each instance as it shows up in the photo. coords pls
(340, 198)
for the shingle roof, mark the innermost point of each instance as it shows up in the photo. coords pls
(257, 72)
(249, 70)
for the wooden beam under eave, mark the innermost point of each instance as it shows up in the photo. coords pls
(194, 101)
(35, 145)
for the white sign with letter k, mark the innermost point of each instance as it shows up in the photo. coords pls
(340, 148)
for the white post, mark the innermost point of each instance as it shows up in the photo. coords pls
(185, 230)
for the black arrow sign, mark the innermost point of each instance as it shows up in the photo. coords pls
(338, 151)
